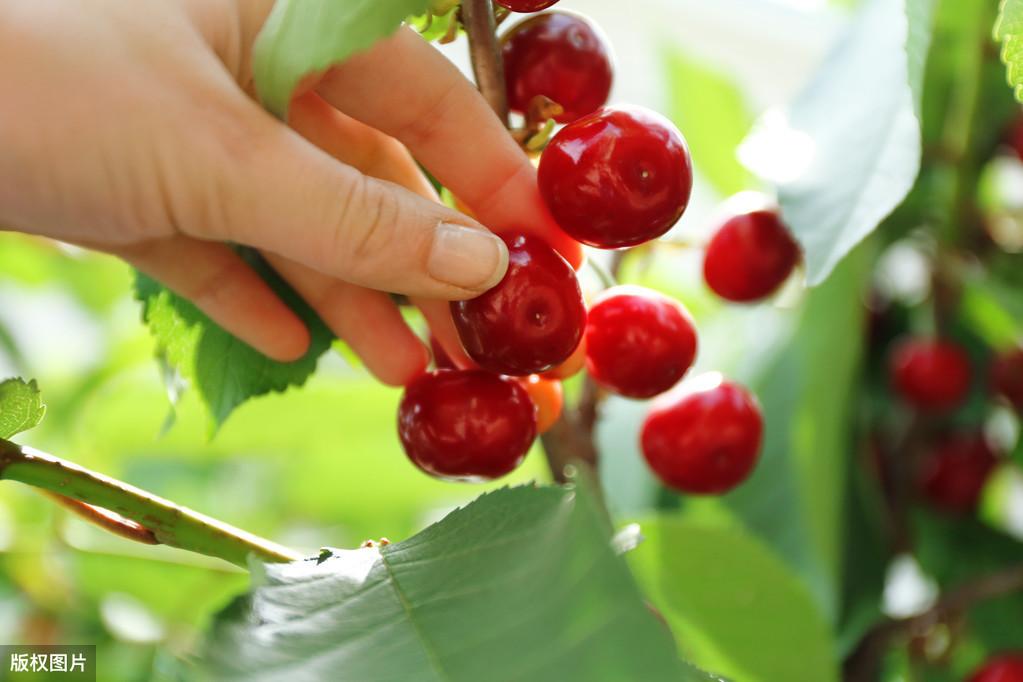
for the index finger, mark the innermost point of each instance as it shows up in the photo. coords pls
(408, 90)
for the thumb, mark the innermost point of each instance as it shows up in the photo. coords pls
(290, 198)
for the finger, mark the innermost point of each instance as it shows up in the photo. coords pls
(366, 320)
(281, 194)
(383, 157)
(408, 90)
(223, 286)
(358, 145)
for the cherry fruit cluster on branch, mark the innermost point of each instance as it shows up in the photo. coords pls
(613, 177)
(933, 376)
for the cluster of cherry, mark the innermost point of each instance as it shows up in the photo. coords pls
(613, 177)
(934, 376)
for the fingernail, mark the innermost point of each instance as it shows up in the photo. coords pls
(467, 258)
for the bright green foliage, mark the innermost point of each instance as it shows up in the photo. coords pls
(21, 407)
(855, 162)
(521, 584)
(222, 369)
(732, 605)
(304, 36)
(713, 114)
(1009, 31)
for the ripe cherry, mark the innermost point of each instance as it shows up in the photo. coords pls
(639, 343)
(1014, 136)
(706, 441)
(532, 320)
(930, 374)
(526, 5)
(1007, 377)
(548, 398)
(617, 177)
(561, 56)
(466, 424)
(952, 475)
(1002, 668)
(751, 253)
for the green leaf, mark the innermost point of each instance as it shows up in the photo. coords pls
(732, 604)
(852, 138)
(222, 369)
(304, 36)
(712, 113)
(993, 309)
(521, 584)
(1009, 31)
(21, 407)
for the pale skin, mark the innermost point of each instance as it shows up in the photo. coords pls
(132, 128)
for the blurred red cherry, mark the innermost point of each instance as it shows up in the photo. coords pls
(953, 474)
(932, 375)
(1007, 377)
(1002, 668)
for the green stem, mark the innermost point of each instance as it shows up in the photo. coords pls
(169, 523)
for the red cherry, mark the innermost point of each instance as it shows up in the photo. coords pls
(617, 177)
(526, 5)
(1007, 377)
(953, 474)
(441, 360)
(638, 342)
(706, 441)
(466, 424)
(1014, 136)
(932, 375)
(561, 56)
(532, 320)
(750, 256)
(1002, 668)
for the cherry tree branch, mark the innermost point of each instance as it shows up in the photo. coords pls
(863, 663)
(134, 513)
(485, 52)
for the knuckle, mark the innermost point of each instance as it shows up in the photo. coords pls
(366, 228)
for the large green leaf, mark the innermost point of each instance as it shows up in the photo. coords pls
(732, 604)
(222, 369)
(853, 135)
(21, 407)
(520, 585)
(1009, 30)
(712, 113)
(304, 36)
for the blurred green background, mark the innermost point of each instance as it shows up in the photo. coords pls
(775, 581)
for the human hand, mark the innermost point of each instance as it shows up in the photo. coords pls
(135, 132)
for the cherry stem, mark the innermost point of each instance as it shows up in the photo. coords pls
(485, 52)
(571, 439)
(134, 513)
(864, 662)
